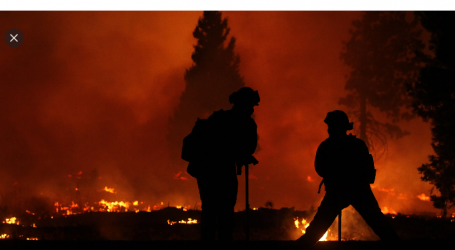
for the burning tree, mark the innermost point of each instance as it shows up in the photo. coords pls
(209, 81)
(381, 55)
(434, 101)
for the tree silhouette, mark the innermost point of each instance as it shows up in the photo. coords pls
(213, 76)
(434, 100)
(381, 55)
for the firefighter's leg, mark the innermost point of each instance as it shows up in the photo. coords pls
(326, 214)
(228, 198)
(209, 206)
(367, 206)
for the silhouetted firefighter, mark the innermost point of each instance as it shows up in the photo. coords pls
(347, 169)
(213, 149)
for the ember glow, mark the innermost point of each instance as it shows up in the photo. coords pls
(423, 197)
(109, 190)
(189, 221)
(304, 224)
(11, 220)
(386, 210)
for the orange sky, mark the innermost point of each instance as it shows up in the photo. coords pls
(95, 90)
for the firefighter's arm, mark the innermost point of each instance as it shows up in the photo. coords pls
(248, 146)
(251, 137)
(368, 164)
(321, 162)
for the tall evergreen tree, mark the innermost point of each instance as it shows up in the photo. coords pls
(213, 76)
(381, 55)
(434, 100)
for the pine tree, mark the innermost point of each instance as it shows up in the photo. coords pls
(381, 56)
(213, 76)
(434, 101)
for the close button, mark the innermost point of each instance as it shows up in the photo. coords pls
(14, 38)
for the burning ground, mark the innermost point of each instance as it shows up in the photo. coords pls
(116, 222)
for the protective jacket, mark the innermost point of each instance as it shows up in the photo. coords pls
(232, 140)
(343, 162)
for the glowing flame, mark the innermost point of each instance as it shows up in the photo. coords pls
(33, 238)
(304, 224)
(135, 203)
(4, 236)
(11, 220)
(308, 178)
(423, 197)
(114, 206)
(109, 190)
(189, 221)
(324, 237)
(386, 210)
(29, 212)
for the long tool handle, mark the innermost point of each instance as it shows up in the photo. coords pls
(247, 205)
(339, 226)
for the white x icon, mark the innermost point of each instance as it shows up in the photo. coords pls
(14, 37)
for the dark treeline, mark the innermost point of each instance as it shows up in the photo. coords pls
(393, 72)
(434, 100)
(381, 56)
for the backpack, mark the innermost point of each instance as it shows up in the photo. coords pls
(195, 145)
(369, 172)
(201, 145)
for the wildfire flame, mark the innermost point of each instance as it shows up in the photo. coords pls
(386, 210)
(11, 220)
(190, 221)
(423, 197)
(114, 206)
(304, 225)
(109, 190)
(4, 236)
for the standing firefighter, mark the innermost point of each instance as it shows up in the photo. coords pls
(215, 147)
(347, 169)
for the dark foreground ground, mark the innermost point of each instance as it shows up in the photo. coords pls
(269, 229)
(329, 245)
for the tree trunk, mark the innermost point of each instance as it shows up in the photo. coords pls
(363, 118)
